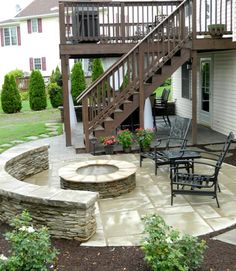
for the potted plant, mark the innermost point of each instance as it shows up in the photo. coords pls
(144, 138)
(125, 138)
(108, 142)
(216, 30)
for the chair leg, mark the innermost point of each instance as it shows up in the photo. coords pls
(140, 161)
(156, 166)
(218, 205)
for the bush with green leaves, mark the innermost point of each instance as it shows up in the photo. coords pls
(24, 95)
(31, 248)
(10, 96)
(37, 93)
(165, 249)
(78, 82)
(55, 95)
(17, 73)
(97, 69)
(56, 77)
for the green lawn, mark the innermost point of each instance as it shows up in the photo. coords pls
(159, 90)
(26, 107)
(27, 123)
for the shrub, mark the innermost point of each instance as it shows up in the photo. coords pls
(55, 95)
(17, 73)
(97, 69)
(30, 248)
(165, 250)
(24, 96)
(56, 77)
(37, 94)
(78, 83)
(10, 96)
(125, 138)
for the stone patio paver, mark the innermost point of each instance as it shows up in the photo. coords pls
(119, 219)
(227, 237)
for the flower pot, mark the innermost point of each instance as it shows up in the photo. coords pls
(127, 149)
(216, 30)
(109, 149)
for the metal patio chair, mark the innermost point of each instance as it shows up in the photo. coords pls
(197, 183)
(160, 107)
(177, 138)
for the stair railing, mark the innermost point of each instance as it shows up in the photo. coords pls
(129, 73)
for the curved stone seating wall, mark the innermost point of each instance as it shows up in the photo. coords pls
(67, 214)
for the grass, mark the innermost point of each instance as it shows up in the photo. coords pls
(27, 123)
(159, 90)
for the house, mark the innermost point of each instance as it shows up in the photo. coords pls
(154, 40)
(30, 40)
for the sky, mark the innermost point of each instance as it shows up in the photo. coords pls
(8, 8)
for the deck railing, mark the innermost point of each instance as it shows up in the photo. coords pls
(128, 75)
(214, 12)
(113, 21)
(126, 22)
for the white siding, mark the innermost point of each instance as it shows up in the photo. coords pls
(224, 92)
(35, 45)
(223, 114)
(234, 20)
(183, 106)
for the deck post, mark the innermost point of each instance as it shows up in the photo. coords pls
(66, 105)
(141, 86)
(194, 19)
(194, 97)
(85, 122)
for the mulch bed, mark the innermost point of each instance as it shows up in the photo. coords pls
(218, 257)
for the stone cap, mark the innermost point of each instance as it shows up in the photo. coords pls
(11, 187)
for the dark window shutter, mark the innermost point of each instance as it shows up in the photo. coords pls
(31, 62)
(44, 63)
(18, 35)
(2, 37)
(40, 29)
(185, 82)
(29, 26)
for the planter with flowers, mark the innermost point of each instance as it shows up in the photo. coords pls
(108, 142)
(125, 138)
(144, 138)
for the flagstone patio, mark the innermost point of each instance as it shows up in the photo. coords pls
(119, 219)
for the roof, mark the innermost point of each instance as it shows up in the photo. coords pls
(39, 7)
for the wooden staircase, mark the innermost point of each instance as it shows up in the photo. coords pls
(125, 85)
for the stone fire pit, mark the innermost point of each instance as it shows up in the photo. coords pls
(111, 178)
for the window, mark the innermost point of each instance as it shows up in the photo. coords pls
(185, 82)
(37, 63)
(34, 25)
(10, 36)
(205, 85)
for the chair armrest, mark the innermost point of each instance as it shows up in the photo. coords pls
(160, 140)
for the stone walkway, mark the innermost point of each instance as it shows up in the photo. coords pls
(119, 219)
(51, 130)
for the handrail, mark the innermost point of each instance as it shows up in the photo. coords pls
(117, 64)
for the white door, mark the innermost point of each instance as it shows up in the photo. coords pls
(205, 92)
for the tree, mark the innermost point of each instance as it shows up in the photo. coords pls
(10, 96)
(97, 69)
(17, 73)
(37, 94)
(56, 77)
(78, 82)
(55, 88)
(55, 95)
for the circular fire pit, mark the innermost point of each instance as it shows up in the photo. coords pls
(110, 178)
